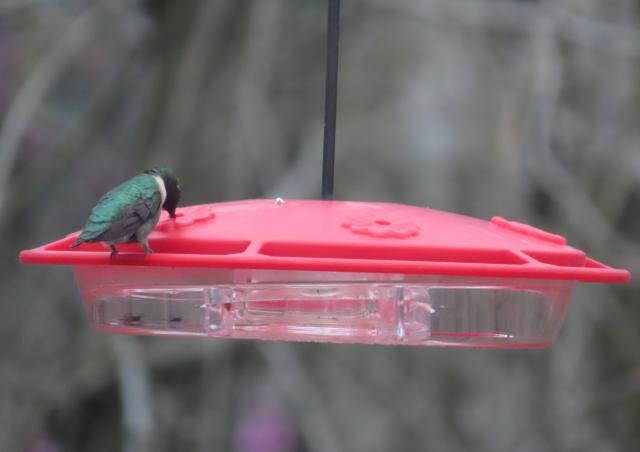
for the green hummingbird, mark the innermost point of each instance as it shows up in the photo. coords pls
(129, 212)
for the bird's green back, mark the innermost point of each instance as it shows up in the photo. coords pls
(112, 205)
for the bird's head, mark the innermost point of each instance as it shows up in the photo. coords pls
(171, 186)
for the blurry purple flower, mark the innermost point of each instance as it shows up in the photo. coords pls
(267, 429)
(44, 444)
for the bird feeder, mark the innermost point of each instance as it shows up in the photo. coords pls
(333, 271)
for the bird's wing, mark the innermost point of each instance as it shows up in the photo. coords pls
(120, 212)
(132, 218)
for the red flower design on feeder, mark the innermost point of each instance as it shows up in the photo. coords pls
(186, 217)
(382, 225)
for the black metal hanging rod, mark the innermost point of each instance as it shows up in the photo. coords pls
(330, 99)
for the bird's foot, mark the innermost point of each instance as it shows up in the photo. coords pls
(114, 251)
(147, 249)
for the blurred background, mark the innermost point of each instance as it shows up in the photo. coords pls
(527, 109)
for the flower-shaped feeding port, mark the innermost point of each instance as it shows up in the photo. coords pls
(185, 217)
(383, 225)
(332, 271)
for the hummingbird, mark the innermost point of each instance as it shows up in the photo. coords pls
(129, 212)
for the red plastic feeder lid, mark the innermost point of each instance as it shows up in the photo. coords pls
(344, 237)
